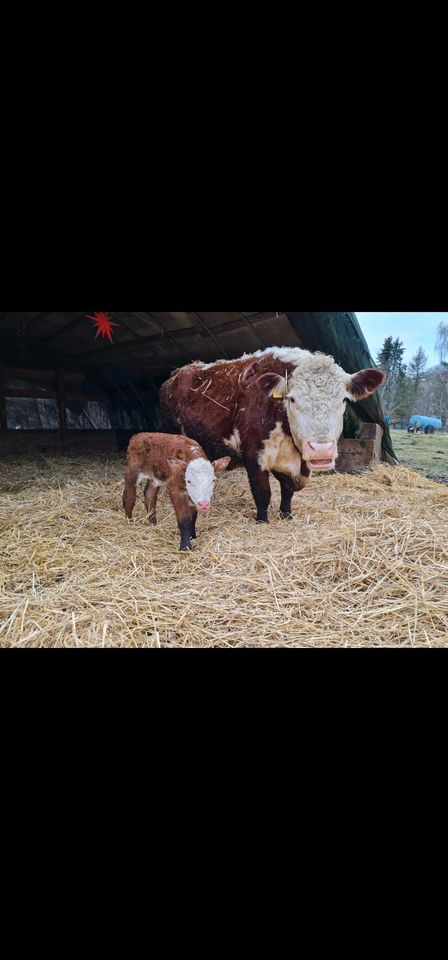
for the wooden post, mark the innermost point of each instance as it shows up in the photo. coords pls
(3, 419)
(60, 386)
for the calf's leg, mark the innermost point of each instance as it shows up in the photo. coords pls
(261, 490)
(186, 527)
(129, 492)
(185, 515)
(150, 497)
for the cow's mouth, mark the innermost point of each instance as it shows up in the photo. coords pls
(321, 464)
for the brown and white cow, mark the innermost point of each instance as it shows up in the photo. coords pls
(181, 464)
(279, 410)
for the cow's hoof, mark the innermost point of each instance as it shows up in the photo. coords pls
(185, 546)
(262, 521)
(285, 516)
(153, 521)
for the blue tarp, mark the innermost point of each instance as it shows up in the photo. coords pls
(418, 421)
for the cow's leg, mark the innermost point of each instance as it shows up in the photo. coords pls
(195, 515)
(287, 487)
(130, 491)
(150, 495)
(261, 490)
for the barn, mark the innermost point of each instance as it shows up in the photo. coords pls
(74, 572)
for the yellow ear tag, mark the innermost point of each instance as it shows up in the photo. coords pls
(277, 395)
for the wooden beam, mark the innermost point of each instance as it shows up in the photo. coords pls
(3, 419)
(209, 333)
(174, 336)
(61, 405)
(252, 328)
(167, 333)
(64, 329)
(26, 373)
(22, 392)
(28, 442)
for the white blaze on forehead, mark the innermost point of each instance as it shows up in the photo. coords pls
(199, 477)
(318, 388)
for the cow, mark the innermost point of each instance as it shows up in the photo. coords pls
(279, 410)
(180, 463)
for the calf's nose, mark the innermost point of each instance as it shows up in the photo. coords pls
(203, 504)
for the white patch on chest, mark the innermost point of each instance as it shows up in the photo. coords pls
(234, 441)
(150, 477)
(279, 453)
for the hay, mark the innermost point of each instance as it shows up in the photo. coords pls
(363, 563)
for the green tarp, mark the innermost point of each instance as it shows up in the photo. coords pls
(340, 335)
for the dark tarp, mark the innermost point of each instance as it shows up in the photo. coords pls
(340, 335)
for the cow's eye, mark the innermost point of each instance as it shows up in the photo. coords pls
(291, 399)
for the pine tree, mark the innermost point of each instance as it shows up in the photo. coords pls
(403, 398)
(390, 359)
(384, 357)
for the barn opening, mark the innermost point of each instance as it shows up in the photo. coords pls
(65, 389)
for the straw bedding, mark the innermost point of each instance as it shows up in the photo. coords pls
(364, 562)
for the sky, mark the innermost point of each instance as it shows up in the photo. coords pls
(414, 329)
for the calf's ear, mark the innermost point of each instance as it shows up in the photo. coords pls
(365, 382)
(219, 465)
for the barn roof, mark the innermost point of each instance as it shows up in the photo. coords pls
(154, 343)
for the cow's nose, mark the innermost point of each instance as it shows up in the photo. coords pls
(322, 449)
(203, 504)
(320, 455)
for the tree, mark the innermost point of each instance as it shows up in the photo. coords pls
(442, 341)
(416, 374)
(390, 359)
(434, 399)
(384, 356)
(403, 399)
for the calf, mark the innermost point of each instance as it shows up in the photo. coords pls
(181, 464)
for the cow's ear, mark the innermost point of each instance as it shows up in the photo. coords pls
(221, 464)
(272, 383)
(365, 382)
(250, 373)
(177, 465)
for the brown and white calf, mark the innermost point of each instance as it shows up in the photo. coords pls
(279, 410)
(180, 463)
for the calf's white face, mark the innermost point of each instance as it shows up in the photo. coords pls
(314, 397)
(199, 480)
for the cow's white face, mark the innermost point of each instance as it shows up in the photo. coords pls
(314, 398)
(200, 478)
